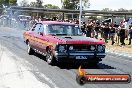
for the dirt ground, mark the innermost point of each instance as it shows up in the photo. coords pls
(118, 48)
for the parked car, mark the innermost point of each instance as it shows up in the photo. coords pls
(23, 21)
(63, 42)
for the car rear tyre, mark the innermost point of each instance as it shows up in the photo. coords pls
(29, 49)
(50, 58)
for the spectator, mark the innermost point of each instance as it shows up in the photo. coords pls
(97, 27)
(83, 28)
(93, 32)
(122, 35)
(39, 19)
(89, 29)
(130, 34)
(33, 21)
(112, 34)
(106, 31)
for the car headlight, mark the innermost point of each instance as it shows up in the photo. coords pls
(62, 48)
(92, 48)
(100, 48)
(71, 48)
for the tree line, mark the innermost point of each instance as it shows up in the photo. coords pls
(66, 4)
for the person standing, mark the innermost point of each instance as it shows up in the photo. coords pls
(106, 30)
(112, 34)
(97, 27)
(32, 22)
(89, 29)
(130, 35)
(83, 28)
(102, 30)
(122, 35)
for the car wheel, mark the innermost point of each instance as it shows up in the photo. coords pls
(49, 57)
(29, 49)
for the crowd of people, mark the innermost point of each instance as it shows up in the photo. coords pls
(108, 31)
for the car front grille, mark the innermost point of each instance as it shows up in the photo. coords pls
(81, 47)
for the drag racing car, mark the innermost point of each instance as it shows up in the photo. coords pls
(63, 42)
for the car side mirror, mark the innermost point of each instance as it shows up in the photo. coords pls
(42, 34)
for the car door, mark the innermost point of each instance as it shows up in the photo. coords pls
(43, 41)
(35, 36)
(31, 37)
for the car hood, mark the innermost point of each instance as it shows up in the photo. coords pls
(76, 40)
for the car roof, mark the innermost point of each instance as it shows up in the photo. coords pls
(57, 22)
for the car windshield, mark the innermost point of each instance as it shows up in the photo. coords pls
(61, 29)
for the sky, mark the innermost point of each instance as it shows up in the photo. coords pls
(97, 4)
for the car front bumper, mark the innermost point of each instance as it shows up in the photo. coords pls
(84, 56)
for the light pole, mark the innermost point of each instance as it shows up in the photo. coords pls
(80, 15)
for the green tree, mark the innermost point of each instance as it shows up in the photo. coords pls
(74, 4)
(24, 3)
(86, 3)
(1, 2)
(13, 2)
(68, 5)
(33, 4)
(7, 2)
(4, 2)
(50, 6)
(39, 3)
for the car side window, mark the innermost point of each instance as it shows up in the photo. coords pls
(36, 28)
(41, 29)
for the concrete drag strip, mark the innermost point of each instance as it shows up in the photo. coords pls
(47, 79)
(15, 75)
(119, 54)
